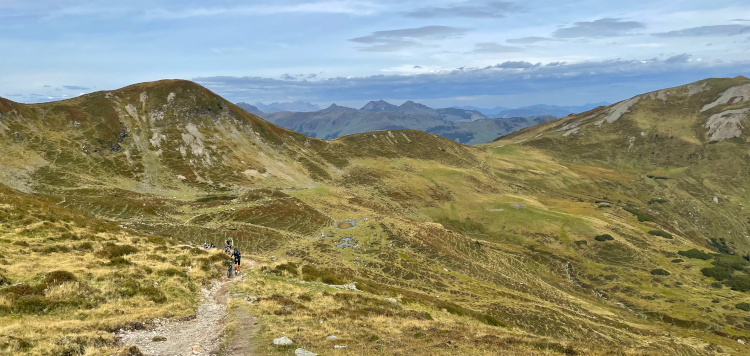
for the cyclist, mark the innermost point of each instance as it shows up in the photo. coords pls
(230, 271)
(237, 259)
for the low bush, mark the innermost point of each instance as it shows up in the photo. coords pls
(661, 233)
(739, 283)
(659, 272)
(743, 306)
(84, 246)
(642, 217)
(730, 261)
(695, 253)
(326, 276)
(721, 245)
(677, 260)
(289, 267)
(717, 273)
(14, 292)
(56, 278)
(110, 250)
(604, 237)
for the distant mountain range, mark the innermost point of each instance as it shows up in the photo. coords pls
(533, 110)
(462, 125)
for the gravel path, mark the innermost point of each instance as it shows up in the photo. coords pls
(199, 336)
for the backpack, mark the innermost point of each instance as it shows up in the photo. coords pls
(237, 253)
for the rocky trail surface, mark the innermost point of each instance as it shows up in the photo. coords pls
(199, 336)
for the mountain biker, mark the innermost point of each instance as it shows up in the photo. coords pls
(230, 264)
(228, 246)
(237, 256)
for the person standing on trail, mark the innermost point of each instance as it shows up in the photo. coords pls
(237, 256)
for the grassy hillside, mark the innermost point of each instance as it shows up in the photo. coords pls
(544, 242)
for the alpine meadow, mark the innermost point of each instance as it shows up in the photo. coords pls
(170, 217)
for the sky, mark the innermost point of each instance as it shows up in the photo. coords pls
(440, 53)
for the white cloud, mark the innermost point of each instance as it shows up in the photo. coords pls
(360, 8)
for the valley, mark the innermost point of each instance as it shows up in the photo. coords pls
(617, 231)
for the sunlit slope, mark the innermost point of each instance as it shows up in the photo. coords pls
(685, 145)
(528, 244)
(166, 135)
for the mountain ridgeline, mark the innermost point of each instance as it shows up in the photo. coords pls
(620, 230)
(464, 126)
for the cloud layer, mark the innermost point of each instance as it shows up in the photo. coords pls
(506, 78)
(394, 40)
(492, 9)
(606, 27)
(705, 31)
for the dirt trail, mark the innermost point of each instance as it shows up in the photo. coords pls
(200, 336)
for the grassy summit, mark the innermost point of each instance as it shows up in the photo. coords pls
(452, 249)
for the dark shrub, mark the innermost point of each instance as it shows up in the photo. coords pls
(289, 267)
(659, 272)
(677, 260)
(716, 285)
(730, 261)
(21, 243)
(740, 283)
(110, 250)
(743, 306)
(604, 237)
(580, 242)
(57, 278)
(720, 244)
(657, 201)
(718, 273)
(32, 304)
(661, 233)
(84, 246)
(326, 276)
(695, 253)
(21, 290)
(641, 216)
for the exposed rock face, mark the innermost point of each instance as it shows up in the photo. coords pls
(733, 95)
(727, 124)
(616, 111)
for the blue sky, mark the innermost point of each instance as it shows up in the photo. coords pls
(441, 53)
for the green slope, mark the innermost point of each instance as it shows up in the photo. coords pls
(541, 242)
